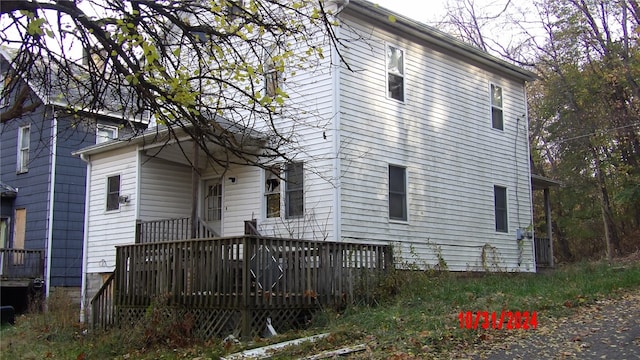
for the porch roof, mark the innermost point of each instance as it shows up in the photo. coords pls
(169, 135)
(540, 182)
(7, 191)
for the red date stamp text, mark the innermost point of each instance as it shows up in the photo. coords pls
(509, 320)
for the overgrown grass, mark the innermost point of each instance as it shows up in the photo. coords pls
(416, 312)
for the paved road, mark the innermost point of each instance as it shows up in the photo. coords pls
(609, 329)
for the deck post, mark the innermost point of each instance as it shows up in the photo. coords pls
(547, 215)
(245, 311)
(195, 181)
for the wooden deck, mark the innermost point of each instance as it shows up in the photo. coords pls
(231, 285)
(543, 252)
(20, 267)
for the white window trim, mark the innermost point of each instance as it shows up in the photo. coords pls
(286, 191)
(4, 100)
(263, 181)
(106, 193)
(105, 127)
(494, 84)
(19, 158)
(404, 73)
(506, 203)
(406, 194)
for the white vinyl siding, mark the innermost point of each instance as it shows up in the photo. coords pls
(107, 229)
(443, 137)
(165, 189)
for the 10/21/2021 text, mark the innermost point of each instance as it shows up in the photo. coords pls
(509, 320)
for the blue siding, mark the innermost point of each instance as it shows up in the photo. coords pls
(73, 133)
(33, 186)
(69, 197)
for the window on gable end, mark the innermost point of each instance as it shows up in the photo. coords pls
(294, 195)
(113, 192)
(497, 118)
(105, 133)
(500, 205)
(395, 73)
(272, 192)
(397, 193)
(4, 88)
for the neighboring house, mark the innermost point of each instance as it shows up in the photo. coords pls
(43, 196)
(425, 147)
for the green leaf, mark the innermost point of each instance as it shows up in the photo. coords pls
(392, 18)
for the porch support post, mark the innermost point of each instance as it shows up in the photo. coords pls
(195, 181)
(547, 212)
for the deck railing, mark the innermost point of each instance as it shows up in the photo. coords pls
(246, 271)
(543, 251)
(246, 275)
(149, 231)
(21, 264)
(102, 309)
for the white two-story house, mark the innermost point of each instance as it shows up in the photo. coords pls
(423, 145)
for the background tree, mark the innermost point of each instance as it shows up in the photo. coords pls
(194, 66)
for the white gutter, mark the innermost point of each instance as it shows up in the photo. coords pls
(337, 201)
(52, 186)
(85, 240)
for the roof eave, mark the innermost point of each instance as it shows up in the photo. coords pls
(438, 38)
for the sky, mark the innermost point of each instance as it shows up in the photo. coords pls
(519, 22)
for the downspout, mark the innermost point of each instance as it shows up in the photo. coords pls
(337, 171)
(85, 241)
(52, 186)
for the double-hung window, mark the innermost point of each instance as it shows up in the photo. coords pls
(395, 73)
(397, 193)
(294, 185)
(24, 141)
(500, 205)
(272, 192)
(105, 133)
(113, 192)
(271, 71)
(497, 117)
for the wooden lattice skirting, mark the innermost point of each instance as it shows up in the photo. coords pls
(209, 323)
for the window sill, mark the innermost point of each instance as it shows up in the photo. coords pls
(23, 171)
(400, 222)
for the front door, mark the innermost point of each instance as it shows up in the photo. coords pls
(213, 205)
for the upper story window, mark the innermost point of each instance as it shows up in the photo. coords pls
(497, 118)
(397, 193)
(271, 72)
(4, 85)
(500, 204)
(272, 192)
(294, 195)
(105, 133)
(395, 73)
(113, 192)
(24, 141)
